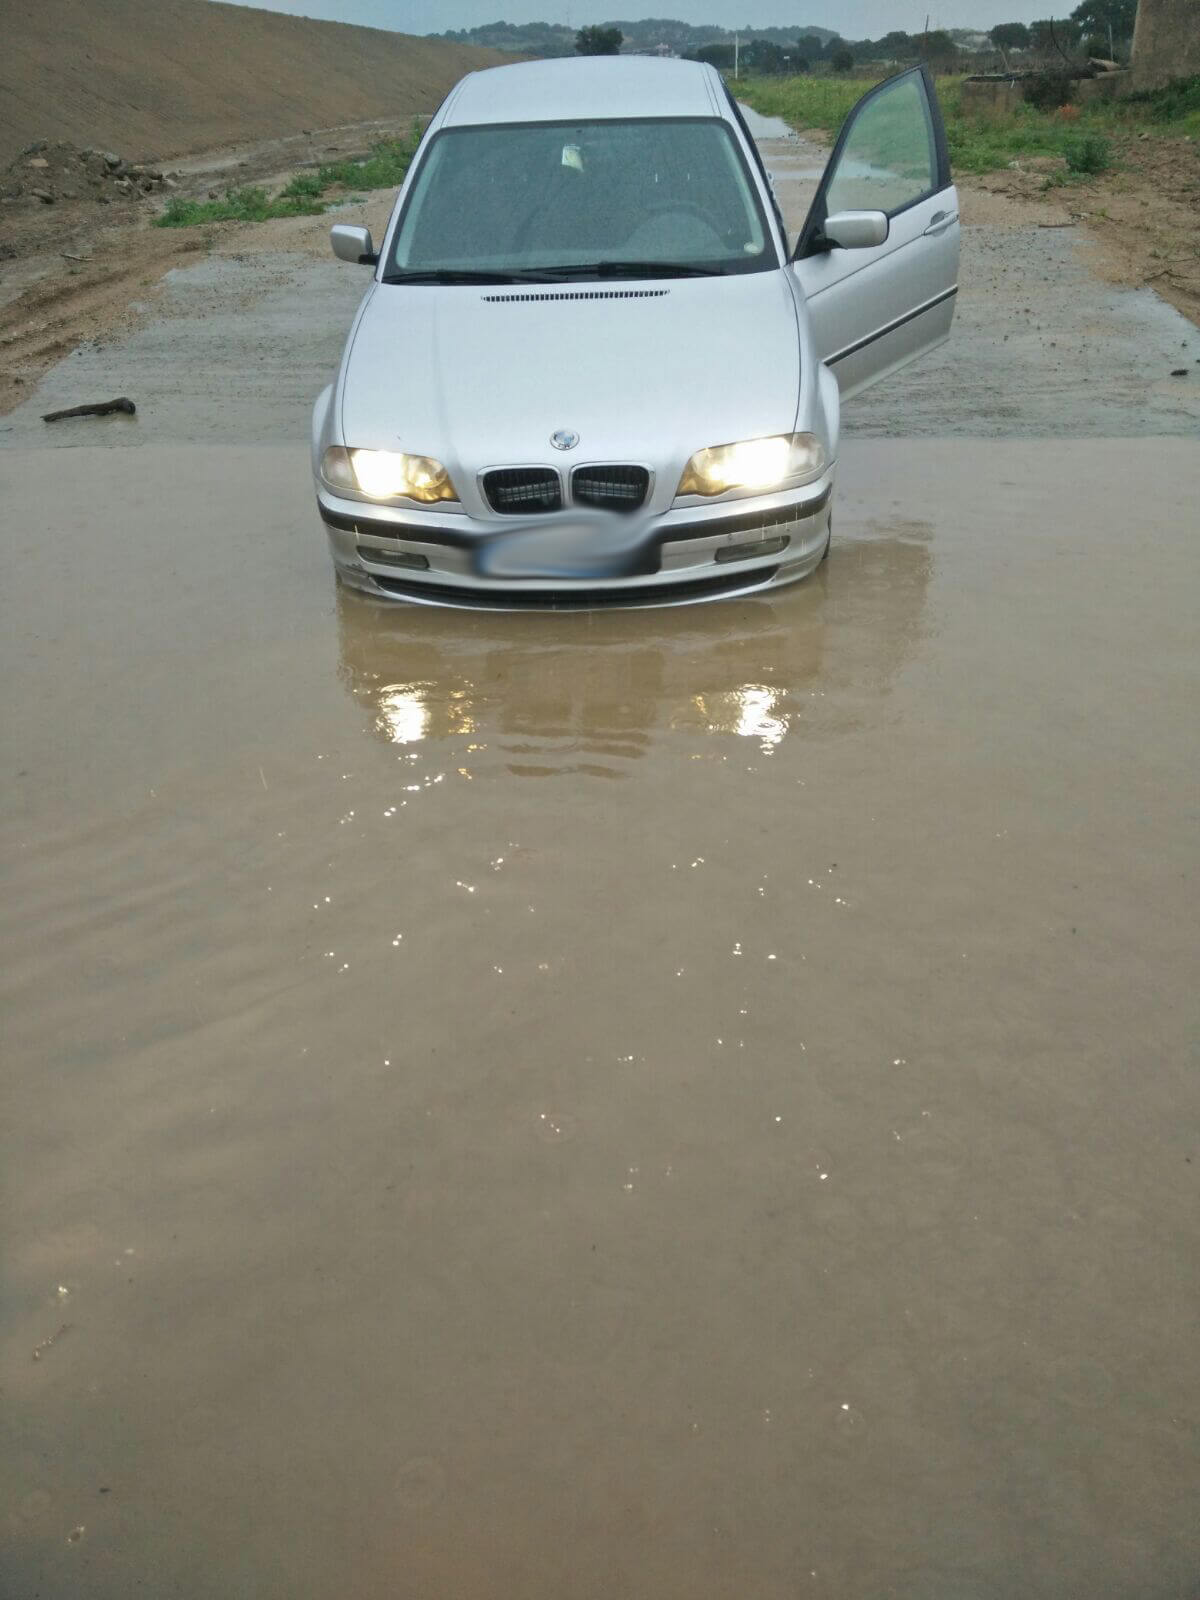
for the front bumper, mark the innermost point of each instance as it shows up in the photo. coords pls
(696, 553)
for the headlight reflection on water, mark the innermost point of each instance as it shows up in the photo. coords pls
(410, 713)
(402, 715)
(757, 718)
(753, 711)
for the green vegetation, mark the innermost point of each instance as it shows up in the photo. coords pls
(683, 38)
(987, 141)
(1178, 102)
(599, 42)
(306, 195)
(822, 103)
(1088, 155)
(236, 205)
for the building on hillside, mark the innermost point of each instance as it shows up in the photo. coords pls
(1166, 42)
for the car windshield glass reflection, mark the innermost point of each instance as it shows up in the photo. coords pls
(642, 198)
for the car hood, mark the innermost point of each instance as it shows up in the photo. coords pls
(645, 372)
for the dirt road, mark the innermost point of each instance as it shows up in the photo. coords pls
(235, 344)
(695, 1103)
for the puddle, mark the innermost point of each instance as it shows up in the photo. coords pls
(762, 127)
(484, 1074)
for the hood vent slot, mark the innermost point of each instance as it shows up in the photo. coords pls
(580, 294)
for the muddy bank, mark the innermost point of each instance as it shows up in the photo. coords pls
(80, 272)
(692, 1104)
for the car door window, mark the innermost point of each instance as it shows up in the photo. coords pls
(889, 159)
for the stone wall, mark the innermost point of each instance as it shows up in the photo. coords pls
(1166, 42)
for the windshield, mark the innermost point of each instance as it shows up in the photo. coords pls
(557, 199)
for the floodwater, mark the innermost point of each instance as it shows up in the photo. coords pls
(694, 1103)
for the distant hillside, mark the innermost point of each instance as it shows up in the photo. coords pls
(553, 39)
(164, 77)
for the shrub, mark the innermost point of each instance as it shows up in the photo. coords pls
(1175, 100)
(304, 186)
(1088, 155)
(1049, 90)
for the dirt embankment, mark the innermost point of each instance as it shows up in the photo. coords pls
(1144, 214)
(159, 80)
(79, 254)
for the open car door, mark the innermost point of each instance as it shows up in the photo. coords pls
(878, 255)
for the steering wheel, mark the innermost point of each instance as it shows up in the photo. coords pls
(690, 208)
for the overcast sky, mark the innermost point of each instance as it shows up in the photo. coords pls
(853, 19)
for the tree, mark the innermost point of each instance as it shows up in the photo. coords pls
(599, 42)
(1105, 17)
(1010, 36)
(811, 46)
(1053, 35)
(937, 46)
(897, 46)
(760, 55)
(841, 60)
(716, 55)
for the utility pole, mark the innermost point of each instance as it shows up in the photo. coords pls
(737, 45)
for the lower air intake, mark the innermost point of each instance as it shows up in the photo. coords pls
(518, 599)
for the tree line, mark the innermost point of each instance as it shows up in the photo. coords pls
(646, 33)
(1097, 27)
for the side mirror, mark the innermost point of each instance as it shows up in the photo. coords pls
(352, 243)
(856, 230)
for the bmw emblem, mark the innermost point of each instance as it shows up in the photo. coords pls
(564, 439)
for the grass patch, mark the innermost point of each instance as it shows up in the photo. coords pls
(1178, 103)
(306, 195)
(304, 186)
(237, 205)
(384, 168)
(987, 142)
(805, 102)
(1088, 155)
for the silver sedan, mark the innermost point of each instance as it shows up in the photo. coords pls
(588, 369)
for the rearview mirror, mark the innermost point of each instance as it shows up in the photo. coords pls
(856, 230)
(352, 243)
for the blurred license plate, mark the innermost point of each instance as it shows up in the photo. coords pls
(564, 550)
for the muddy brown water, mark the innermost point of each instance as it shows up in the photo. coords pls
(690, 1103)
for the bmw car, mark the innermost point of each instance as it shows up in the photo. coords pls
(589, 369)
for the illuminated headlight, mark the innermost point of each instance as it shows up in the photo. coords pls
(754, 465)
(387, 475)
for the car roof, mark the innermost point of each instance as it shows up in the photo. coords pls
(582, 88)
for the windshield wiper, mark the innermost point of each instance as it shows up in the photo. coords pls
(569, 273)
(466, 275)
(636, 269)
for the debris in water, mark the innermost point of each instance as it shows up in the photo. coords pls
(100, 408)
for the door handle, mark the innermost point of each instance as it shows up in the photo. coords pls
(939, 222)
